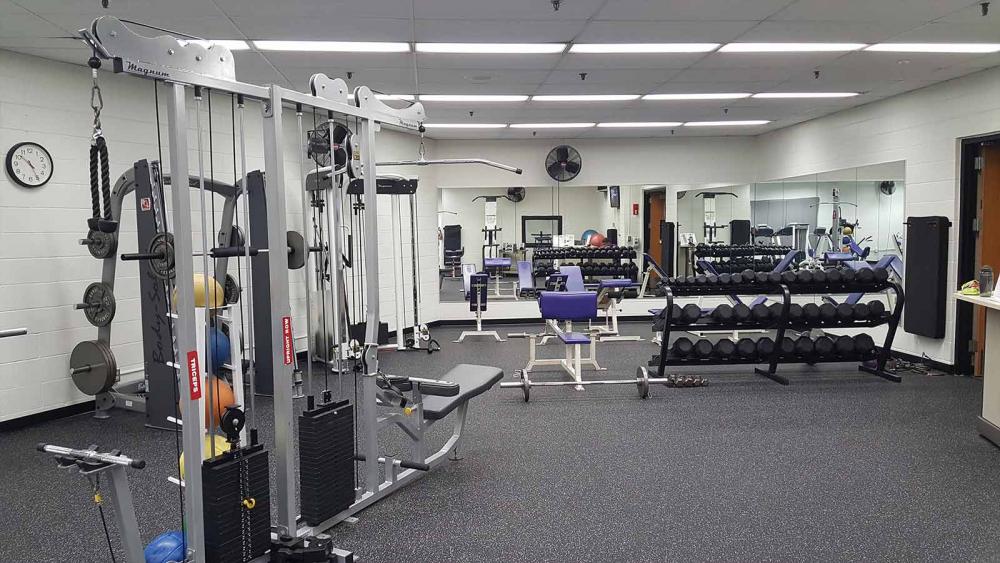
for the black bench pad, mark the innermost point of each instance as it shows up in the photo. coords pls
(472, 380)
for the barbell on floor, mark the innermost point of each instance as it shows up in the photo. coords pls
(642, 382)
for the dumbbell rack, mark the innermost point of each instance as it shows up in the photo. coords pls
(780, 325)
(616, 255)
(721, 256)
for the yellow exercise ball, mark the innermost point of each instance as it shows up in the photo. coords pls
(216, 297)
(848, 231)
(221, 446)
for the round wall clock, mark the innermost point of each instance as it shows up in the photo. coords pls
(29, 164)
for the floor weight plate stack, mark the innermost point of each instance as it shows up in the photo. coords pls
(326, 461)
(233, 532)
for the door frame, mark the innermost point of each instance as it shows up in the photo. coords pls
(967, 210)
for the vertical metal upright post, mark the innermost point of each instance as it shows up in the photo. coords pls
(369, 405)
(415, 260)
(334, 200)
(399, 296)
(281, 319)
(128, 525)
(308, 241)
(190, 382)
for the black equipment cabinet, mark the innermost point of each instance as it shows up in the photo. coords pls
(665, 322)
(926, 275)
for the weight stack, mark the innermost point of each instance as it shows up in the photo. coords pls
(234, 533)
(326, 461)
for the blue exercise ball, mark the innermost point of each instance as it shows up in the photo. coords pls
(585, 237)
(166, 547)
(218, 343)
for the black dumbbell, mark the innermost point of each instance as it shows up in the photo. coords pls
(833, 275)
(787, 347)
(819, 276)
(865, 275)
(823, 347)
(749, 276)
(774, 278)
(746, 348)
(828, 312)
(795, 312)
(845, 312)
(861, 311)
(723, 313)
(788, 276)
(877, 309)
(724, 348)
(741, 312)
(726, 278)
(703, 348)
(864, 346)
(804, 346)
(701, 279)
(847, 275)
(765, 347)
(811, 312)
(712, 279)
(760, 312)
(690, 313)
(682, 347)
(844, 345)
(691, 280)
(881, 275)
(804, 276)
(760, 277)
(676, 313)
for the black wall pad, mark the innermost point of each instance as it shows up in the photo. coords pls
(235, 533)
(326, 461)
(739, 231)
(926, 275)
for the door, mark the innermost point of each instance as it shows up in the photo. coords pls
(655, 213)
(987, 250)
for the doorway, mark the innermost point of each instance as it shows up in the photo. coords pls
(979, 222)
(654, 214)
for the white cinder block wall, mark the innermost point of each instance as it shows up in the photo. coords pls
(43, 270)
(922, 128)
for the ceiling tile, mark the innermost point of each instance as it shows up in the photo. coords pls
(28, 25)
(870, 10)
(825, 31)
(675, 87)
(977, 32)
(129, 9)
(261, 26)
(497, 31)
(352, 61)
(621, 80)
(328, 10)
(798, 61)
(9, 8)
(646, 10)
(663, 32)
(506, 9)
(209, 27)
(466, 63)
(500, 81)
(733, 75)
(579, 61)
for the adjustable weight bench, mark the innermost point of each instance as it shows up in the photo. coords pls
(477, 303)
(525, 280)
(496, 267)
(609, 294)
(564, 306)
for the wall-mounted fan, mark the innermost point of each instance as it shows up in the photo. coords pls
(318, 144)
(515, 194)
(563, 163)
(887, 187)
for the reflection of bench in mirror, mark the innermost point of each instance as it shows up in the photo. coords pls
(475, 292)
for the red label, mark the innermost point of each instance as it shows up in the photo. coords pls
(635, 209)
(146, 204)
(286, 329)
(194, 375)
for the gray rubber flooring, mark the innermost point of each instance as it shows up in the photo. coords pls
(837, 466)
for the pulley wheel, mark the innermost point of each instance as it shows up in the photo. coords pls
(296, 250)
(102, 245)
(100, 304)
(236, 237)
(162, 266)
(642, 381)
(94, 368)
(232, 290)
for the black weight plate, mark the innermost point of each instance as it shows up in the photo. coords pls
(102, 245)
(296, 250)
(103, 368)
(232, 290)
(100, 301)
(163, 266)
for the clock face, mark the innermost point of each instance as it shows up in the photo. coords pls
(29, 164)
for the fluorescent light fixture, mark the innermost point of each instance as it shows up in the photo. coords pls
(491, 48)
(643, 47)
(550, 125)
(936, 47)
(334, 46)
(465, 125)
(641, 124)
(398, 97)
(790, 47)
(473, 98)
(713, 96)
(726, 123)
(784, 95)
(586, 98)
(231, 44)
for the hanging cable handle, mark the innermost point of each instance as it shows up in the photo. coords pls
(100, 173)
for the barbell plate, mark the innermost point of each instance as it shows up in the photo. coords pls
(100, 301)
(525, 386)
(232, 290)
(642, 381)
(296, 250)
(102, 245)
(103, 368)
(162, 245)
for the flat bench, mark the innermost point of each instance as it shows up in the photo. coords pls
(574, 338)
(472, 380)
